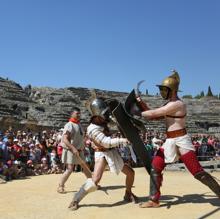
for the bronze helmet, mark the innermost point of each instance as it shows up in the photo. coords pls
(172, 81)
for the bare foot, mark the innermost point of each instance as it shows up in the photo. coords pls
(149, 204)
(60, 189)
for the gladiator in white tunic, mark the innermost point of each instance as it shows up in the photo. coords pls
(105, 153)
(106, 147)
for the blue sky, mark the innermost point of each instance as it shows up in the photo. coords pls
(111, 44)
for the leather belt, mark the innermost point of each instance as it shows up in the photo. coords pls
(102, 149)
(176, 133)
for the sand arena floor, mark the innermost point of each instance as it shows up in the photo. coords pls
(182, 198)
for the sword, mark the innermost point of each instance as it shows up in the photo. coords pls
(84, 166)
(137, 90)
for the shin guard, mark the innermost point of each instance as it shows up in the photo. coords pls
(156, 179)
(86, 188)
(156, 176)
(209, 181)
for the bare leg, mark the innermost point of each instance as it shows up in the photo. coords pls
(98, 170)
(64, 178)
(129, 172)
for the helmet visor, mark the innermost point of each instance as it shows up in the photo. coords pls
(164, 92)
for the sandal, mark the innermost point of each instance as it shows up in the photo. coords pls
(60, 189)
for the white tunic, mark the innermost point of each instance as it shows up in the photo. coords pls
(111, 156)
(170, 147)
(95, 133)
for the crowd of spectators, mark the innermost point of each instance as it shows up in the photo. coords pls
(25, 153)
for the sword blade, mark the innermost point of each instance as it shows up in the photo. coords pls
(138, 87)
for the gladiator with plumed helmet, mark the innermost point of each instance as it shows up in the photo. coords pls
(105, 153)
(178, 144)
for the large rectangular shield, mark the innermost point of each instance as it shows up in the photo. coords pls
(132, 134)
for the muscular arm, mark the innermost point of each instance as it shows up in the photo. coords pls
(168, 109)
(144, 107)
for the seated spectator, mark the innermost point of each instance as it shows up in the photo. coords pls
(16, 149)
(54, 162)
(10, 171)
(2, 170)
(4, 150)
(20, 169)
(44, 166)
(30, 170)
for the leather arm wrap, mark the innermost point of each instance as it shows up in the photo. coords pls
(143, 106)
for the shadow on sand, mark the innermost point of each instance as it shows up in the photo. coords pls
(168, 201)
(106, 188)
(191, 198)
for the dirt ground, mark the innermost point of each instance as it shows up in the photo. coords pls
(36, 197)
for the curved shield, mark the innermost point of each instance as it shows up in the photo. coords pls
(130, 105)
(131, 132)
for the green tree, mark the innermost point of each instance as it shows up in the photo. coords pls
(197, 96)
(209, 94)
(147, 92)
(202, 94)
(187, 96)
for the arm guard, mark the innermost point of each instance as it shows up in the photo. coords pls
(142, 105)
(96, 134)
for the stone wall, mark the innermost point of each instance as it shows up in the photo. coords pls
(43, 107)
